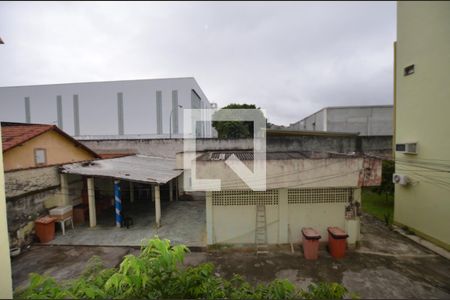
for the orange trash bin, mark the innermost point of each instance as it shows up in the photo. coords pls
(337, 242)
(310, 242)
(45, 229)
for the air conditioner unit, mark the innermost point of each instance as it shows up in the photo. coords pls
(400, 179)
(406, 148)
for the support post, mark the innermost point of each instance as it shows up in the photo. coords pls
(152, 193)
(91, 199)
(170, 191)
(352, 226)
(64, 189)
(6, 287)
(131, 192)
(209, 218)
(176, 189)
(283, 216)
(157, 206)
(118, 203)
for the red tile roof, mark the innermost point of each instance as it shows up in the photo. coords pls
(14, 135)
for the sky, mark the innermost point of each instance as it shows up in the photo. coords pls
(289, 58)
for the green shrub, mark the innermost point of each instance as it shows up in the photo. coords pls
(156, 273)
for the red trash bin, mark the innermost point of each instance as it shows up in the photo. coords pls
(45, 229)
(310, 242)
(337, 242)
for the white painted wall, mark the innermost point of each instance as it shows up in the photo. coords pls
(236, 224)
(374, 120)
(290, 173)
(98, 104)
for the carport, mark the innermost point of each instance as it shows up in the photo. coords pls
(137, 170)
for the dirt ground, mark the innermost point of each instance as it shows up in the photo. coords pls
(386, 265)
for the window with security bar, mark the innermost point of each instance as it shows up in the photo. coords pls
(231, 198)
(319, 195)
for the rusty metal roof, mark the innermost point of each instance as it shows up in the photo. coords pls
(138, 168)
(248, 155)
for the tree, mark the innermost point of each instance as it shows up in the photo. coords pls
(387, 186)
(234, 129)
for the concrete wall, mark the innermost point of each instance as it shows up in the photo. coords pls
(236, 224)
(169, 148)
(24, 210)
(23, 182)
(58, 148)
(316, 121)
(365, 120)
(98, 101)
(29, 195)
(5, 261)
(341, 144)
(422, 106)
(295, 173)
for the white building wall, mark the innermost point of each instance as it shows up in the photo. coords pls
(366, 120)
(236, 224)
(98, 109)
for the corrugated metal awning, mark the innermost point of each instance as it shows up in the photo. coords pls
(139, 168)
(249, 155)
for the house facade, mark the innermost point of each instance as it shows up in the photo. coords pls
(39, 145)
(32, 154)
(149, 107)
(373, 120)
(422, 94)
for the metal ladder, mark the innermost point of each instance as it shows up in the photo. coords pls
(261, 230)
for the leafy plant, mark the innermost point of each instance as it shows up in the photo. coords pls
(325, 291)
(387, 186)
(157, 273)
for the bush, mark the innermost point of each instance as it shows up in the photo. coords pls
(157, 273)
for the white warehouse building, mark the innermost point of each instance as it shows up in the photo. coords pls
(370, 120)
(146, 108)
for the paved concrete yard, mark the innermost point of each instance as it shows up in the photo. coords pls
(387, 265)
(62, 262)
(181, 222)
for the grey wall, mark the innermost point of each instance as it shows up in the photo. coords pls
(26, 193)
(168, 148)
(313, 122)
(365, 120)
(362, 120)
(21, 213)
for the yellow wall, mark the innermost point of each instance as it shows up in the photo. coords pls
(422, 116)
(5, 262)
(59, 150)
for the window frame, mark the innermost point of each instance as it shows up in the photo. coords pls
(35, 156)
